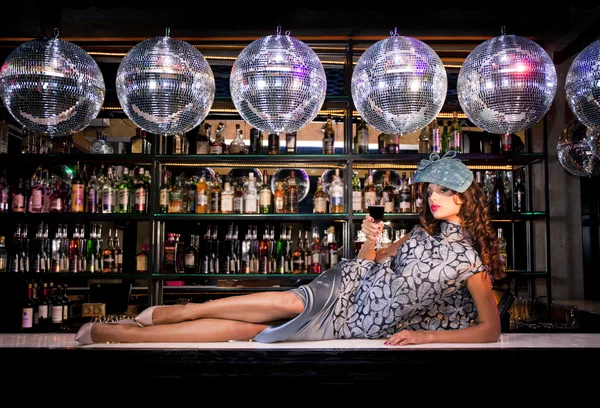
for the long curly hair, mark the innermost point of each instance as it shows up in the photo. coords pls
(477, 222)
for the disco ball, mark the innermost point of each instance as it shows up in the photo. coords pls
(399, 85)
(506, 84)
(278, 84)
(52, 87)
(593, 139)
(574, 151)
(581, 86)
(165, 86)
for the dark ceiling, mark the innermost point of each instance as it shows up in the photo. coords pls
(131, 19)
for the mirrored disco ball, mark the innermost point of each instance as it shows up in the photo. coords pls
(506, 84)
(165, 86)
(574, 151)
(582, 86)
(399, 85)
(301, 177)
(52, 87)
(593, 139)
(278, 84)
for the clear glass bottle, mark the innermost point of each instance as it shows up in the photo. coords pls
(227, 197)
(237, 145)
(251, 196)
(336, 194)
(279, 198)
(101, 145)
(436, 137)
(369, 192)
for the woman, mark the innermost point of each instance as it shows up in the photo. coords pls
(423, 288)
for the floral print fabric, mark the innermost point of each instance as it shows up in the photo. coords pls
(421, 288)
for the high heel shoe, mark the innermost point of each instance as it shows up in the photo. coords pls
(145, 318)
(84, 334)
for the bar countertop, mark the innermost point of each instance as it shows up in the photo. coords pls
(539, 358)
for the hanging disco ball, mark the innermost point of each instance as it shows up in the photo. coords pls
(165, 86)
(574, 151)
(52, 87)
(581, 86)
(593, 139)
(399, 85)
(506, 84)
(278, 84)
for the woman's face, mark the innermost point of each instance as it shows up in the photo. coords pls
(443, 203)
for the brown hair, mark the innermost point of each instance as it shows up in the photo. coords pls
(477, 222)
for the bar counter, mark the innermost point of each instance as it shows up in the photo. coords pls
(531, 357)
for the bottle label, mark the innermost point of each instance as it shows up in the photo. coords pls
(140, 200)
(18, 203)
(36, 201)
(137, 146)
(189, 260)
(43, 311)
(333, 257)
(57, 314)
(202, 199)
(279, 204)
(77, 195)
(124, 198)
(164, 198)
(202, 147)
(227, 203)
(141, 264)
(265, 197)
(357, 201)
(320, 205)
(57, 204)
(370, 198)
(216, 149)
(27, 319)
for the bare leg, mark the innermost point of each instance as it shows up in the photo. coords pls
(253, 308)
(201, 330)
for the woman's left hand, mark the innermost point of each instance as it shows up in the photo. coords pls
(405, 337)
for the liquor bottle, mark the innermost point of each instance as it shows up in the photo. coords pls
(291, 195)
(203, 139)
(107, 193)
(237, 145)
(387, 194)
(369, 192)
(424, 140)
(190, 255)
(405, 204)
(24, 257)
(362, 137)
(169, 264)
(290, 142)
(315, 252)
(67, 308)
(320, 199)
(215, 195)
(445, 138)
(256, 141)
(419, 197)
(336, 194)
(44, 318)
(77, 192)
(163, 195)
(27, 311)
(3, 255)
(356, 193)
(35, 204)
(265, 195)
(519, 194)
(108, 255)
(202, 194)
(392, 143)
(502, 248)
(498, 196)
(436, 139)
(264, 250)
(177, 143)
(118, 253)
(251, 196)
(227, 197)
(19, 198)
(137, 142)
(298, 264)
(506, 142)
(279, 199)
(218, 146)
(332, 247)
(56, 308)
(141, 259)
(456, 140)
(273, 146)
(238, 198)
(4, 193)
(328, 136)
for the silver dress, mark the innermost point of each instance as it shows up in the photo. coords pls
(422, 288)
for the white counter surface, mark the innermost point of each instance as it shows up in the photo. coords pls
(507, 341)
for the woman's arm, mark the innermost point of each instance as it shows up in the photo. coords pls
(487, 330)
(372, 229)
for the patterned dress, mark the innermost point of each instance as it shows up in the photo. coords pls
(421, 288)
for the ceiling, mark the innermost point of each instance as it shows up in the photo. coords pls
(117, 26)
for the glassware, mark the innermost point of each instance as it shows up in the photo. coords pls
(376, 211)
(101, 145)
(302, 180)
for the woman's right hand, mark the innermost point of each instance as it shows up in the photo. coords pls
(371, 229)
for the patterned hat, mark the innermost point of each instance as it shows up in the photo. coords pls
(447, 171)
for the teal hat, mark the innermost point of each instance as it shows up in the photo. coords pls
(447, 171)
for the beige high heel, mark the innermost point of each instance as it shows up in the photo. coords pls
(145, 318)
(84, 334)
